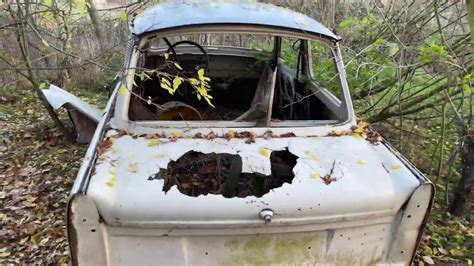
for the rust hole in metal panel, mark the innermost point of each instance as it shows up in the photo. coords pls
(196, 173)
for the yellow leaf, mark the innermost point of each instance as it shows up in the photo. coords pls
(176, 134)
(314, 175)
(264, 152)
(358, 130)
(123, 89)
(167, 56)
(201, 74)
(153, 142)
(176, 82)
(112, 181)
(363, 124)
(149, 100)
(209, 102)
(361, 161)
(123, 15)
(165, 81)
(396, 166)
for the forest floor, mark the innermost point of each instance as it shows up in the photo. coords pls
(38, 167)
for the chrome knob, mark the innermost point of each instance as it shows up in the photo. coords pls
(266, 215)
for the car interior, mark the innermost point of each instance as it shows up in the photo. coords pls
(251, 80)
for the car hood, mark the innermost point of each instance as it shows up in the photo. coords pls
(367, 181)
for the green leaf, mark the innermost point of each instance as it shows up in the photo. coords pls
(42, 85)
(48, 2)
(123, 15)
(392, 49)
(466, 88)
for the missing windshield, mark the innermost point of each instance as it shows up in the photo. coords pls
(241, 78)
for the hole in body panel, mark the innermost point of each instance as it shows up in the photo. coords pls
(196, 173)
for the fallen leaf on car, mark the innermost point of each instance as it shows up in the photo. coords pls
(264, 152)
(133, 167)
(395, 166)
(153, 142)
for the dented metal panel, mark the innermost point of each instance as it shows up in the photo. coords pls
(58, 97)
(175, 15)
(369, 182)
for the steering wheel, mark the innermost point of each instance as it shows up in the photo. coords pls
(173, 52)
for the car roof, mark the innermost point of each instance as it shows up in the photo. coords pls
(174, 15)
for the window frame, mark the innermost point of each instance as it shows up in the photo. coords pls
(344, 106)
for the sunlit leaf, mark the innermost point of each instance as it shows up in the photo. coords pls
(466, 88)
(167, 56)
(177, 66)
(48, 2)
(176, 83)
(153, 142)
(123, 15)
(361, 161)
(395, 166)
(314, 176)
(264, 152)
(176, 134)
(42, 85)
(122, 89)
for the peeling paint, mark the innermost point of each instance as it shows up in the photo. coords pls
(140, 199)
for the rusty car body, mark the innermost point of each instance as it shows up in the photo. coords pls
(184, 191)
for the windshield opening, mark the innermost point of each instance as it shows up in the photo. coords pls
(234, 77)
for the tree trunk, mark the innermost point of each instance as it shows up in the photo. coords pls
(96, 24)
(463, 195)
(461, 204)
(32, 76)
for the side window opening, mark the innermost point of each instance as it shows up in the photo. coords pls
(243, 70)
(297, 90)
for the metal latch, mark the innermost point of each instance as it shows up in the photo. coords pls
(266, 215)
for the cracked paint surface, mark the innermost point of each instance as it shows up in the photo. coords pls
(132, 199)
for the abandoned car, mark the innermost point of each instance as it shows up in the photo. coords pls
(230, 138)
